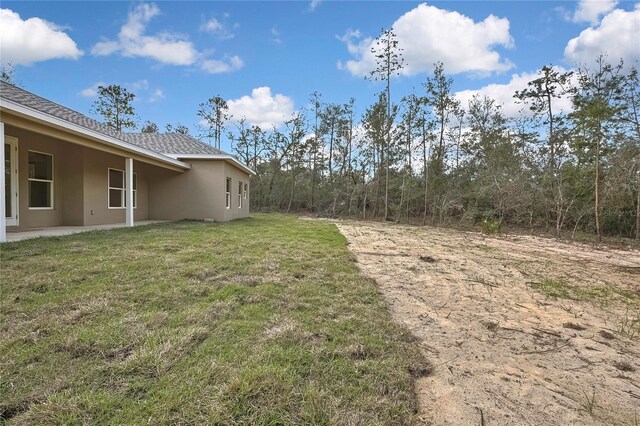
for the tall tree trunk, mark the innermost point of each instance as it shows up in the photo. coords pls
(293, 187)
(597, 187)
(425, 167)
(313, 179)
(401, 200)
(638, 202)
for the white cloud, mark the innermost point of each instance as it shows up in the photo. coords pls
(215, 66)
(617, 35)
(212, 26)
(219, 29)
(167, 48)
(591, 10)
(503, 94)
(92, 91)
(139, 88)
(33, 40)
(314, 5)
(262, 108)
(276, 35)
(429, 34)
(139, 85)
(157, 95)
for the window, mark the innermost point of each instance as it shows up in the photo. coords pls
(117, 189)
(40, 180)
(239, 195)
(246, 190)
(228, 193)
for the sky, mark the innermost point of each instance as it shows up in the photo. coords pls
(266, 58)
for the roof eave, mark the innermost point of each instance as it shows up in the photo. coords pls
(92, 134)
(224, 157)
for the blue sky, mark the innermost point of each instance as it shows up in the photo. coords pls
(267, 57)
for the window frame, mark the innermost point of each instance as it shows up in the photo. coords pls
(51, 182)
(246, 190)
(123, 190)
(227, 189)
(240, 186)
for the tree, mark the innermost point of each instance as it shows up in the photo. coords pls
(389, 62)
(315, 146)
(443, 104)
(114, 104)
(150, 127)
(215, 113)
(540, 95)
(8, 74)
(597, 103)
(180, 129)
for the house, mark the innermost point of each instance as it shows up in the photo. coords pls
(62, 168)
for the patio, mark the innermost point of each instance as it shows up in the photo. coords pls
(56, 231)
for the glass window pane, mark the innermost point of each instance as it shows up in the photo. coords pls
(116, 179)
(228, 184)
(135, 181)
(115, 198)
(40, 166)
(39, 194)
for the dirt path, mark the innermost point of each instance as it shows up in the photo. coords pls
(522, 330)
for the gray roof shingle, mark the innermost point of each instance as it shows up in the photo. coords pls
(171, 143)
(162, 143)
(28, 99)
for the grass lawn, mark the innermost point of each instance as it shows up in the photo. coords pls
(259, 321)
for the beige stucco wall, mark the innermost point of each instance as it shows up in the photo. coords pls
(236, 176)
(27, 141)
(198, 193)
(96, 208)
(79, 186)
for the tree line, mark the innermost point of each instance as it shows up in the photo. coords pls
(431, 159)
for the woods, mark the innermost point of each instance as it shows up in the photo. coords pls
(433, 159)
(567, 162)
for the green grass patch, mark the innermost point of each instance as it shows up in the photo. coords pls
(260, 321)
(601, 295)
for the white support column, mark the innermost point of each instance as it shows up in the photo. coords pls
(129, 190)
(3, 207)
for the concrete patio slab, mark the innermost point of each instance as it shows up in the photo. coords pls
(56, 231)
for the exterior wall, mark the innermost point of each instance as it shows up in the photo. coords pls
(198, 193)
(236, 176)
(96, 180)
(188, 195)
(80, 187)
(28, 141)
(80, 193)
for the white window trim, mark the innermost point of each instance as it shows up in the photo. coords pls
(53, 175)
(228, 184)
(246, 190)
(123, 191)
(240, 187)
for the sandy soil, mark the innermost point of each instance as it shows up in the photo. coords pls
(505, 350)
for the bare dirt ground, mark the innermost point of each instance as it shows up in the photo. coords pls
(521, 330)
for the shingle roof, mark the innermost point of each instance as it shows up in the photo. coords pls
(28, 99)
(171, 143)
(162, 143)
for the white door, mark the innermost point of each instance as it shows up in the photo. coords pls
(11, 180)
